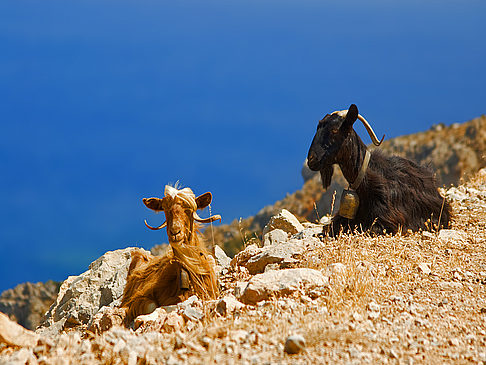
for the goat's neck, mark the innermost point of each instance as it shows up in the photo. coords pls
(351, 156)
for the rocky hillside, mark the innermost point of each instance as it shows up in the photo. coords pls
(417, 298)
(27, 303)
(454, 152)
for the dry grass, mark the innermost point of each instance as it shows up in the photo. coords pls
(436, 317)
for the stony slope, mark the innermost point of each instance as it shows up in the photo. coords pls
(418, 298)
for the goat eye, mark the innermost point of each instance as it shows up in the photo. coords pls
(334, 131)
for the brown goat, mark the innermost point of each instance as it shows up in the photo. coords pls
(187, 268)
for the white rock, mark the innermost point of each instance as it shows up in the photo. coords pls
(81, 297)
(449, 285)
(285, 221)
(373, 315)
(281, 282)
(272, 267)
(454, 342)
(337, 268)
(106, 318)
(452, 236)
(294, 344)
(273, 254)
(455, 194)
(228, 305)
(372, 306)
(309, 233)
(243, 256)
(13, 334)
(193, 300)
(238, 336)
(151, 322)
(326, 220)
(240, 288)
(20, 357)
(428, 235)
(424, 268)
(221, 258)
(275, 237)
(192, 314)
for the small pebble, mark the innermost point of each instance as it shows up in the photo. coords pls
(454, 342)
(294, 344)
(443, 302)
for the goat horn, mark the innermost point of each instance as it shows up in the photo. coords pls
(155, 228)
(206, 220)
(370, 131)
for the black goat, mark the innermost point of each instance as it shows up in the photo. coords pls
(393, 194)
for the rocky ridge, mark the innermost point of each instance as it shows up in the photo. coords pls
(409, 298)
(27, 303)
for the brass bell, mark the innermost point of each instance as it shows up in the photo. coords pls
(348, 206)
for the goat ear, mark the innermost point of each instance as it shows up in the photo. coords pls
(156, 204)
(204, 200)
(351, 117)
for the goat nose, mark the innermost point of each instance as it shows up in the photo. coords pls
(311, 158)
(175, 231)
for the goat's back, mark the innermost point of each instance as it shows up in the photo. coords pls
(401, 194)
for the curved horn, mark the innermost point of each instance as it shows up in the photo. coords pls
(155, 228)
(206, 220)
(370, 131)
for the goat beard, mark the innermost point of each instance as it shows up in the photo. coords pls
(326, 175)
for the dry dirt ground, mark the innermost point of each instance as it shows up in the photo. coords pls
(412, 298)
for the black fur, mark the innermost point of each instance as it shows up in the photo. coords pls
(396, 194)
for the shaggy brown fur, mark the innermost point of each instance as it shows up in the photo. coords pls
(155, 281)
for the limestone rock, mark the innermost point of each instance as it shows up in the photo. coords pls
(107, 318)
(242, 257)
(273, 254)
(452, 236)
(228, 305)
(151, 322)
(424, 268)
(174, 322)
(22, 357)
(13, 334)
(456, 194)
(281, 282)
(221, 258)
(309, 232)
(274, 237)
(240, 288)
(294, 344)
(285, 221)
(372, 306)
(192, 301)
(337, 268)
(192, 314)
(81, 297)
